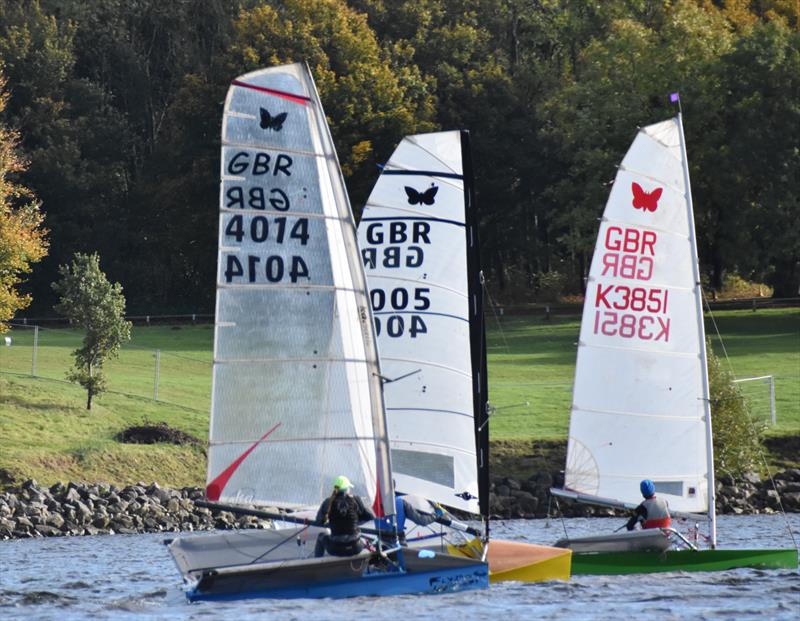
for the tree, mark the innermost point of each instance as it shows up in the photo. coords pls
(22, 237)
(89, 300)
(737, 438)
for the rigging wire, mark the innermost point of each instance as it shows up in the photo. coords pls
(493, 306)
(750, 422)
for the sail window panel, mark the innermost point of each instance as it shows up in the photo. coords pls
(440, 152)
(437, 476)
(432, 467)
(609, 455)
(628, 205)
(651, 157)
(269, 180)
(256, 118)
(297, 473)
(268, 323)
(671, 488)
(646, 385)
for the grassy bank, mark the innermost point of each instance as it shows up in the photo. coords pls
(47, 434)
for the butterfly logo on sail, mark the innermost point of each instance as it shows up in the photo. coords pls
(421, 198)
(647, 201)
(272, 122)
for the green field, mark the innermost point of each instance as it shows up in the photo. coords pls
(46, 432)
(532, 363)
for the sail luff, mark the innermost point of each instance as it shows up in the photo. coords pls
(477, 332)
(698, 291)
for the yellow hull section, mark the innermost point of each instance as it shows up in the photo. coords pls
(524, 562)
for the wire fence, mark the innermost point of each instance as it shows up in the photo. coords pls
(165, 376)
(185, 380)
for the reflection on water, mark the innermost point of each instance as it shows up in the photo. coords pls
(132, 576)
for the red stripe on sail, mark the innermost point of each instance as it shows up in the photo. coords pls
(269, 91)
(214, 489)
(377, 506)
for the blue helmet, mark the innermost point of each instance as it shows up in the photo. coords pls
(648, 488)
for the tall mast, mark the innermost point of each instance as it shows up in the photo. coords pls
(698, 292)
(480, 391)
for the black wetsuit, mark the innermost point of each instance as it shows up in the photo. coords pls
(342, 513)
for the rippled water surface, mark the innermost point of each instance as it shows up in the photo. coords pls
(133, 577)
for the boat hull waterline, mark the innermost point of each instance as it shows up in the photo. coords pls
(619, 563)
(344, 577)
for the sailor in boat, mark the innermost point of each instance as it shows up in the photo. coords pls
(652, 512)
(405, 510)
(342, 512)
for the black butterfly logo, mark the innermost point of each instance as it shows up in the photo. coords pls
(426, 197)
(272, 122)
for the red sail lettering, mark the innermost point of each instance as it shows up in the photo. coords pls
(601, 295)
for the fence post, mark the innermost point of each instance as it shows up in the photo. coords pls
(35, 350)
(772, 399)
(155, 382)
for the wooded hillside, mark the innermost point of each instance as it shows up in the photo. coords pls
(118, 106)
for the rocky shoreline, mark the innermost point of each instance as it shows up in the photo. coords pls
(530, 498)
(31, 510)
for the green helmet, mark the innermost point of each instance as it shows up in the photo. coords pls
(342, 482)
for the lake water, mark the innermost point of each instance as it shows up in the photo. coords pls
(133, 577)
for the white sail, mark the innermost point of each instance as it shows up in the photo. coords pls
(296, 389)
(414, 241)
(640, 402)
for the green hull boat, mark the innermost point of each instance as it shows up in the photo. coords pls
(617, 563)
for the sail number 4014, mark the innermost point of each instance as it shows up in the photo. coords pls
(252, 268)
(261, 229)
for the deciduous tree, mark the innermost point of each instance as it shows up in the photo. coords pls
(22, 236)
(91, 302)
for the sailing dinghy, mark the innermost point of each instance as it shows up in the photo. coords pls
(419, 242)
(297, 398)
(641, 405)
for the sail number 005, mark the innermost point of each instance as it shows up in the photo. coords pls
(399, 299)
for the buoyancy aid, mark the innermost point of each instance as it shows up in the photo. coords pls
(385, 524)
(657, 513)
(343, 515)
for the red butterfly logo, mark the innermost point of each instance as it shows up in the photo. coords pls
(645, 200)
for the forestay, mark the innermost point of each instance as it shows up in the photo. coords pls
(296, 389)
(640, 403)
(418, 241)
